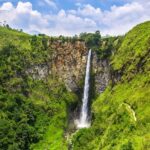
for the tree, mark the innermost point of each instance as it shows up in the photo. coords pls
(92, 40)
(7, 26)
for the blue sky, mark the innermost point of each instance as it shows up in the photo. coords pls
(69, 17)
(42, 6)
(103, 4)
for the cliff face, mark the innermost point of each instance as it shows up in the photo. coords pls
(69, 62)
(102, 75)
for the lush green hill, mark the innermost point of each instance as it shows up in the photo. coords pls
(33, 113)
(121, 119)
(14, 36)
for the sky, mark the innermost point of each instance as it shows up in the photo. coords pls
(70, 17)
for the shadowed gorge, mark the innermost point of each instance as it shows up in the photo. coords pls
(43, 80)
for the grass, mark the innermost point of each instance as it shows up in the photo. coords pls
(16, 37)
(135, 45)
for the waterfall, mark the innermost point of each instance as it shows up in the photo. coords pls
(83, 120)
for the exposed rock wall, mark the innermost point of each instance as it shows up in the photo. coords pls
(102, 73)
(38, 71)
(68, 64)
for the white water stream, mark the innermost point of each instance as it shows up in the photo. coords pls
(83, 121)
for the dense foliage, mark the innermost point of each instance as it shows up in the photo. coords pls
(92, 40)
(33, 113)
(121, 118)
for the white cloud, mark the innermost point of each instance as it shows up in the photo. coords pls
(89, 10)
(7, 6)
(23, 16)
(51, 3)
(121, 19)
(86, 18)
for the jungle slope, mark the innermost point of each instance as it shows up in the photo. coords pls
(33, 112)
(121, 119)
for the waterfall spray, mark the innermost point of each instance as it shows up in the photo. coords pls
(83, 120)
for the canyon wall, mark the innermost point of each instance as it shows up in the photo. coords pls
(102, 73)
(68, 63)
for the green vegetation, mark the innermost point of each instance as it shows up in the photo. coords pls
(92, 40)
(108, 46)
(15, 37)
(33, 113)
(121, 118)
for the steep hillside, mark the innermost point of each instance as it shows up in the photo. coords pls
(121, 113)
(14, 36)
(40, 78)
(33, 107)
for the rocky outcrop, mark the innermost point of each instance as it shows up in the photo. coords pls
(69, 62)
(101, 70)
(38, 71)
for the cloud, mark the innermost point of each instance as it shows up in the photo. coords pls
(32, 21)
(51, 3)
(117, 20)
(85, 18)
(121, 19)
(7, 6)
(22, 16)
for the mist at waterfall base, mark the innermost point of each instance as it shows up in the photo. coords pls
(83, 121)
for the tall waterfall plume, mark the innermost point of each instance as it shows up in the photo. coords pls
(84, 120)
